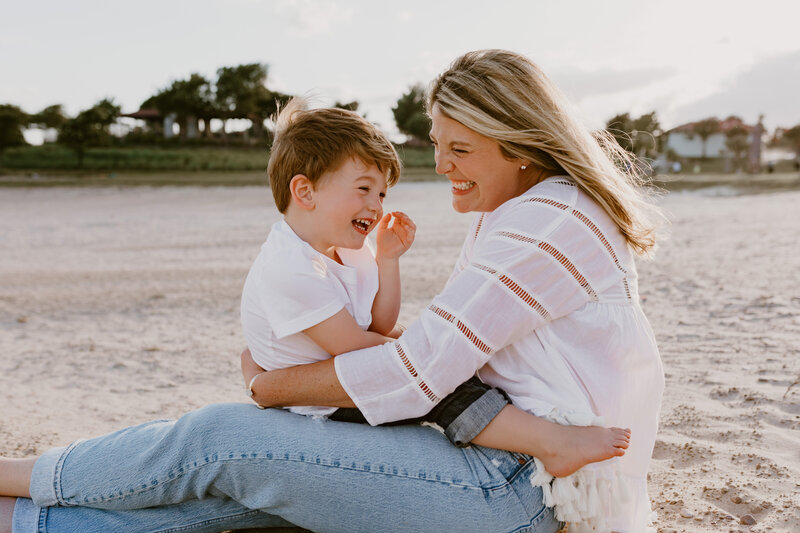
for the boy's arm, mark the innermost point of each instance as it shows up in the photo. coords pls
(394, 236)
(336, 335)
(386, 306)
(341, 333)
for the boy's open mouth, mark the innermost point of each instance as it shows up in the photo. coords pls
(362, 225)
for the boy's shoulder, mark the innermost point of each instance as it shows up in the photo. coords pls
(285, 254)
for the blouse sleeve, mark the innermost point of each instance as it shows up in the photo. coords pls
(531, 267)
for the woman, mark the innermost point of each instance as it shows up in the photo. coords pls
(542, 303)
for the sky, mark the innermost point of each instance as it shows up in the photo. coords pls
(686, 60)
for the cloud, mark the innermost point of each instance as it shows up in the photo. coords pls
(770, 87)
(307, 18)
(579, 84)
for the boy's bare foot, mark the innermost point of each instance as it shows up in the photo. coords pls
(571, 447)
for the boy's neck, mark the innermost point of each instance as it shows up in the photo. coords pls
(307, 229)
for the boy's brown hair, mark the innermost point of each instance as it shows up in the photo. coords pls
(314, 141)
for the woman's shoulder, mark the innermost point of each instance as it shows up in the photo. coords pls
(558, 220)
(557, 203)
(539, 209)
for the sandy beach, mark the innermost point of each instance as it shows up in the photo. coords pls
(122, 305)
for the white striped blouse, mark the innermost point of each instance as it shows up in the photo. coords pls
(543, 303)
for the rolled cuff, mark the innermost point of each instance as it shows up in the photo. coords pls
(475, 418)
(26, 516)
(380, 385)
(46, 476)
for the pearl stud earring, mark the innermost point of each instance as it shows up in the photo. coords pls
(523, 167)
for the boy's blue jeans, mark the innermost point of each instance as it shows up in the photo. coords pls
(235, 466)
(462, 414)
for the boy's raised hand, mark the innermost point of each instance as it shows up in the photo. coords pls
(393, 238)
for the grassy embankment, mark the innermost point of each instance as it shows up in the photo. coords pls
(54, 165)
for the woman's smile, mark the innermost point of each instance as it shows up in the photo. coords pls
(461, 187)
(481, 177)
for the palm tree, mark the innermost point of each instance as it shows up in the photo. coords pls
(705, 129)
(736, 141)
(792, 139)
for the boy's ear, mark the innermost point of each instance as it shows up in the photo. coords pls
(302, 192)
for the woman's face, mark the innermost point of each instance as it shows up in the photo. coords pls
(481, 177)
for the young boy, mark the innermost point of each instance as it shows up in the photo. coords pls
(317, 289)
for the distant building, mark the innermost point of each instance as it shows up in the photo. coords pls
(151, 118)
(684, 142)
(147, 115)
(166, 124)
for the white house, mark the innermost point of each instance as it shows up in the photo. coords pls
(686, 143)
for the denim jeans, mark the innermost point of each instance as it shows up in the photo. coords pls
(462, 414)
(236, 466)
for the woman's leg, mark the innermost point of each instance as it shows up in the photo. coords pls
(15, 476)
(318, 474)
(210, 515)
(6, 513)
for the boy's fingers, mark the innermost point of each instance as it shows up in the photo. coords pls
(384, 221)
(407, 235)
(401, 215)
(405, 221)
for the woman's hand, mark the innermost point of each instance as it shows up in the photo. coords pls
(393, 241)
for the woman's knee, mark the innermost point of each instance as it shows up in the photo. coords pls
(215, 412)
(219, 421)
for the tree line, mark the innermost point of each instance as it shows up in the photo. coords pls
(241, 92)
(237, 92)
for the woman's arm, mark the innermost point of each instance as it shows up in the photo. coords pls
(287, 387)
(526, 272)
(312, 384)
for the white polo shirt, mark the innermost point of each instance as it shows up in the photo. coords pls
(290, 288)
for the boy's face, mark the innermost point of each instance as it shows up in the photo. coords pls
(349, 203)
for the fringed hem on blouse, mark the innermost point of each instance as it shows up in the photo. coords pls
(587, 498)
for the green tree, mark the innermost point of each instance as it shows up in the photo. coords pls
(89, 127)
(350, 106)
(639, 136)
(705, 129)
(620, 127)
(242, 93)
(50, 117)
(646, 133)
(12, 120)
(791, 138)
(410, 114)
(189, 100)
(737, 143)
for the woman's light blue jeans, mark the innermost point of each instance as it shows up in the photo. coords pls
(229, 466)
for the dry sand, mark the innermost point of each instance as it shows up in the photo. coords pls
(121, 305)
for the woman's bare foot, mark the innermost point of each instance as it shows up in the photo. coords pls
(572, 447)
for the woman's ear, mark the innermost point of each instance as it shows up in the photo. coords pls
(302, 192)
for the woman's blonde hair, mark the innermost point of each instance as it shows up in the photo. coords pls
(506, 97)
